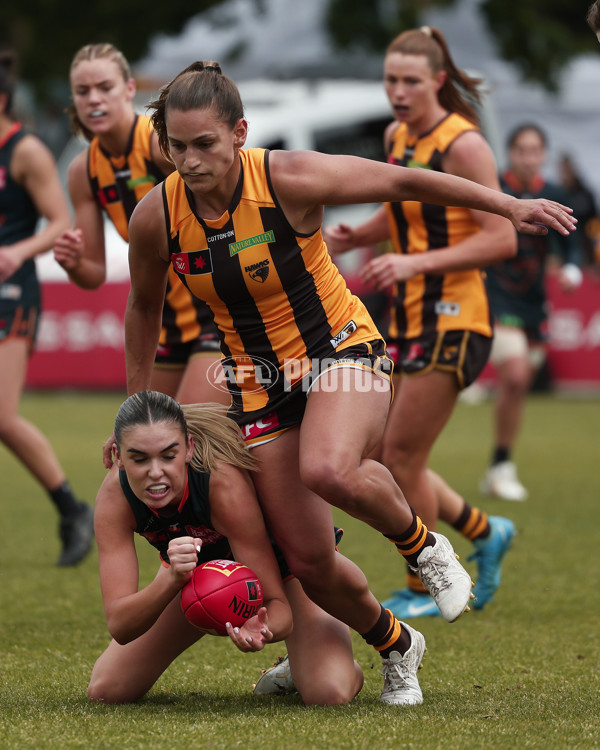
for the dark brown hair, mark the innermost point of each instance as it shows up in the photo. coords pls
(523, 128)
(95, 52)
(201, 85)
(216, 436)
(460, 92)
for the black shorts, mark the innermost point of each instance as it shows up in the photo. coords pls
(463, 353)
(178, 355)
(263, 425)
(20, 306)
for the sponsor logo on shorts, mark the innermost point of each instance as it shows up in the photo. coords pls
(449, 352)
(415, 352)
(260, 427)
(447, 308)
(10, 291)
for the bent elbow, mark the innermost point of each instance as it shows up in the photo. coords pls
(120, 633)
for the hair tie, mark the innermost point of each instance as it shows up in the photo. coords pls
(426, 30)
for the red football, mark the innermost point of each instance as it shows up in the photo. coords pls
(221, 591)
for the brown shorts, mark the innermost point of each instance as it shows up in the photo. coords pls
(263, 425)
(463, 353)
(178, 355)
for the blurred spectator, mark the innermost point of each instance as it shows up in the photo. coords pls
(583, 202)
(517, 294)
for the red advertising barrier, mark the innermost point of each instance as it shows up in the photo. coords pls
(80, 343)
(573, 335)
(574, 332)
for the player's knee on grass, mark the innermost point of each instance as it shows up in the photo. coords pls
(332, 688)
(105, 690)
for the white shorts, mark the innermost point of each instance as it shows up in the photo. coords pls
(512, 343)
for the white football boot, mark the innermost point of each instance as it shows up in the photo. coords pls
(445, 578)
(501, 481)
(277, 679)
(400, 684)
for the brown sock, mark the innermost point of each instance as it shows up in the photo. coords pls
(411, 542)
(388, 635)
(472, 523)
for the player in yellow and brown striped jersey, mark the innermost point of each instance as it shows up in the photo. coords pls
(440, 330)
(320, 460)
(120, 166)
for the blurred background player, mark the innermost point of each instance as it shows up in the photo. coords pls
(441, 332)
(518, 298)
(30, 189)
(122, 164)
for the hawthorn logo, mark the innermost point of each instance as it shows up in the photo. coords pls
(258, 271)
(449, 352)
(259, 239)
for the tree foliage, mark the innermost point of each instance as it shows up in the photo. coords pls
(538, 36)
(47, 33)
(371, 26)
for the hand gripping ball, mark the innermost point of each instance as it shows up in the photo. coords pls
(221, 591)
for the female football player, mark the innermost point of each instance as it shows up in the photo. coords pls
(30, 189)
(121, 164)
(306, 366)
(440, 332)
(182, 481)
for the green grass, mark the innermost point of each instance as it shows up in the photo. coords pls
(525, 672)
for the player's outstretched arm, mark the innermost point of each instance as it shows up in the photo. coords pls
(305, 180)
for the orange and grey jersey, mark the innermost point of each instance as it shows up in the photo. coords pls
(453, 301)
(278, 300)
(119, 184)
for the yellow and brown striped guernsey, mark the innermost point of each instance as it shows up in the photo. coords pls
(278, 300)
(120, 183)
(454, 301)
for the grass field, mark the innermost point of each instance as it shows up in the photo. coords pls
(523, 673)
